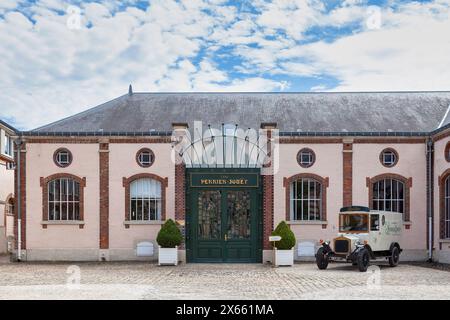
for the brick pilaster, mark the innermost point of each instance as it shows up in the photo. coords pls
(104, 194)
(347, 157)
(268, 184)
(180, 198)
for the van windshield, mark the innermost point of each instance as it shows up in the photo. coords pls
(354, 222)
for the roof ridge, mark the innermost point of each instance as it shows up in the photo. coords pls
(286, 92)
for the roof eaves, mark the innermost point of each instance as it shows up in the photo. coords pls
(10, 127)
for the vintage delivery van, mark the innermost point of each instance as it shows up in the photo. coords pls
(364, 235)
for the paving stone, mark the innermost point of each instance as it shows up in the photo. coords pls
(219, 281)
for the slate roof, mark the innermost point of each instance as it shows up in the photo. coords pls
(418, 112)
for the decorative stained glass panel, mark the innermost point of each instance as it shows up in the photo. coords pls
(209, 214)
(239, 215)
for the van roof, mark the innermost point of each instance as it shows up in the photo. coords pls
(355, 208)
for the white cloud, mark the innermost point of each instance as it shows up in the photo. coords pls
(49, 71)
(409, 53)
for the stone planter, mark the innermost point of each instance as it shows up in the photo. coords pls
(283, 257)
(168, 256)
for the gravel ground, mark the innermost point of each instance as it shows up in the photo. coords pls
(138, 280)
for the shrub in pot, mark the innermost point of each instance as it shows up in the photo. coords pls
(284, 249)
(169, 238)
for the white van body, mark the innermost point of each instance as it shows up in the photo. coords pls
(364, 235)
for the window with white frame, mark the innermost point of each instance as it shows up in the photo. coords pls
(389, 157)
(145, 157)
(8, 146)
(388, 195)
(145, 200)
(63, 199)
(447, 209)
(306, 199)
(306, 157)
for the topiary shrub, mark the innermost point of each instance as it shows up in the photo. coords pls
(169, 236)
(287, 241)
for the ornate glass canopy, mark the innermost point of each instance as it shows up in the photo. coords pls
(226, 147)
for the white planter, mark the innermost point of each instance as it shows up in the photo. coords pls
(283, 257)
(168, 256)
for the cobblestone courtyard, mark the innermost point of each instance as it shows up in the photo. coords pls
(218, 281)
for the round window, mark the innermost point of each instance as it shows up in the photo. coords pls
(145, 157)
(62, 157)
(306, 157)
(388, 157)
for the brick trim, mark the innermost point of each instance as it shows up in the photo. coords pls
(441, 135)
(406, 181)
(23, 197)
(180, 191)
(267, 181)
(126, 182)
(447, 152)
(44, 185)
(390, 140)
(79, 139)
(324, 181)
(302, 140)
(104, 194)
(368, 140)
(441, 182)
(267, 206)
(347, 174)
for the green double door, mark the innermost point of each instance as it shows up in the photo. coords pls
(224, 225)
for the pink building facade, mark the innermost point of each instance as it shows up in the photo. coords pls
(99, 185)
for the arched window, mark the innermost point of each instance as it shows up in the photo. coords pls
(145, 200)
(64, 199)
(388, 195)
(446, 213)
(306, 199)
(390, 192)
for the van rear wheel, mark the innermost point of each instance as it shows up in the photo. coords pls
(395, 257)
(321, 259)
(363, 260)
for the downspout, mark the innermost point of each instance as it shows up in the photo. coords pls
(19, 211)
(430, 187)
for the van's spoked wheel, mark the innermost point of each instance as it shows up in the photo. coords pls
(363, 260)
(395, 257)
(321, 259)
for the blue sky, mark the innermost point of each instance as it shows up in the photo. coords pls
(60, 57)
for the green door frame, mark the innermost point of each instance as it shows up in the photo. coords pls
(255, 190)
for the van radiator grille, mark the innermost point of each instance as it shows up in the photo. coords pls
(341, 246)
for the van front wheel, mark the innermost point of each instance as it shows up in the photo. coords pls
(321, 259)
(363, 260)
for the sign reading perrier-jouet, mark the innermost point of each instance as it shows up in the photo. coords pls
(224, 180)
